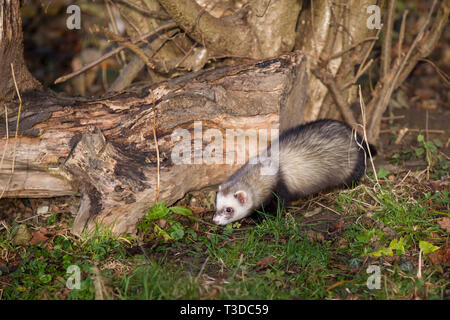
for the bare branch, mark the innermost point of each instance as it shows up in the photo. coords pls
(397, 75)
(402, 35)
(335, 92)
(152, 14)
(386, 49)
(167, 26)
(341, 53)
(227, 35)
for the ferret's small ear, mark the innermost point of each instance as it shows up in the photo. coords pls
(241, 196)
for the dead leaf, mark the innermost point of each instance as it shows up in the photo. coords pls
(196, 210)
(438, 185)
(264, 262)
(338, 225)
(45, 231)
(315, 236)
(444, 223)
(440, 256)
(38, 237)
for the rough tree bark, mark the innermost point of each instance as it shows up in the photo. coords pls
(11, 52)
(105, 150)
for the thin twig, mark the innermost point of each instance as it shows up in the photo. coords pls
(381, 100)
(328, 80)
(156, 147)
(324, 206)
(128, 20)
(153, 14)
(7, 138)
(416, 130)
(363, 117)
(402, 35)
(169, 25)
(393, 117)
(203, 267)
(358, 75)
(427, 139)
(131, 46)
(369, 50)
(16, 133)
(115, 28)
(414, 44)
(185, 56)
(339, 54)
(265, 11)
(440, 72)
(386, 49)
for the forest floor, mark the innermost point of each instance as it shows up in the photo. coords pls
(394, 226)
(322, 249)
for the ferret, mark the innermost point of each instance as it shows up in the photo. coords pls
(312, 157)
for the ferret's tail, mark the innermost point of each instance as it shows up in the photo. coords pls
(366, 146)
(372, 149)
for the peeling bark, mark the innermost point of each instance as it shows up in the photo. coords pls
(11, 52)
(104, 148)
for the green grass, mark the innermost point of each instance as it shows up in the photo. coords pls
(281, 256)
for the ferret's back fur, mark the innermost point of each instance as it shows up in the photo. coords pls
(313, 157)
(319, 155)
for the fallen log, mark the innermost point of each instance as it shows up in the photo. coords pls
(104, 150)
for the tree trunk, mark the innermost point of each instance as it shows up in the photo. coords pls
(105, 148)
(11, 52)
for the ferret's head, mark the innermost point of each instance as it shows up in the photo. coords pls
(232, 205)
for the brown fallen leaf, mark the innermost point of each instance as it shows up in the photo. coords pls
(338, 225)
(264, 262)
(438, 185)
(444, 223)
(315, 236)
(45, 231)
(38, 237)
(196, 210)
(440, 256)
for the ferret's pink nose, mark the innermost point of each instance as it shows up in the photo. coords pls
(216, 221)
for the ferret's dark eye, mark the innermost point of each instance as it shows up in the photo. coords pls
(229, 210)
